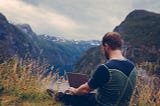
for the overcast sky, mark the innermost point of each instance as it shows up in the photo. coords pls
(73, 19)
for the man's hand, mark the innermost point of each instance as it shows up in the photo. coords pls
(83, 89)
(71, 91)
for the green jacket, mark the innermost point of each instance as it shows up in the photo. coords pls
(118, 90)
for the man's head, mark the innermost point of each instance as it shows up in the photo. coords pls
(111, 41)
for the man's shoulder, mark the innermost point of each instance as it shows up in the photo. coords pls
(125, 62)
(102, 67)
(126, 66)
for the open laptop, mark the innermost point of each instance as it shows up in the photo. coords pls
(76, 79)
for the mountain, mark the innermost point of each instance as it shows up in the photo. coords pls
(75, 42)
(141, 33)
(89, 61)
(65, 53)
(20, 40)
(58, 51)
(13, 41)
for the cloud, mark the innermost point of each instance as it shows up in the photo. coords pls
(150, 5)
(96, 16)
(73, 19)
(40, 19)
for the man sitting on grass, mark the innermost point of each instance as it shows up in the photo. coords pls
(114, 81)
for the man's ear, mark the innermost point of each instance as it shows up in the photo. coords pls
(105, 44)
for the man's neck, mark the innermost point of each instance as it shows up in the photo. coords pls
(116, 54)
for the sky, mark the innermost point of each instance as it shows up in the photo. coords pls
(73, 19)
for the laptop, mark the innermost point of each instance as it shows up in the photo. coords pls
(76, 79)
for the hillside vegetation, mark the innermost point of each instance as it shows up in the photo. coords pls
(140, 30)
(13, 41)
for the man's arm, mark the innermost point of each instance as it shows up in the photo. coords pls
(100, 76)
(83, 89)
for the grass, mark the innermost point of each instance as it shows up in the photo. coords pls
(147, 92)
(23, 84)
(144, 97)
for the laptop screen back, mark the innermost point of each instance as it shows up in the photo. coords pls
(76, 79)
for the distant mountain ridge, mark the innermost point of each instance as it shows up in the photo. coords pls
(141, 33)
(20, 40)
(13, 41)
(60, 39)
(59, 51)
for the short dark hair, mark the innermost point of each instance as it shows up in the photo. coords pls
(113, 40)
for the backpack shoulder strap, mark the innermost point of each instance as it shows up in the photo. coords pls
(125, 87)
